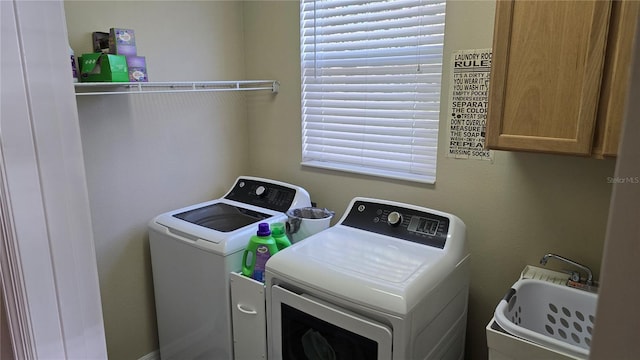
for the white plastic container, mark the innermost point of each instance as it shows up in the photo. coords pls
(504, 346)
(542, 318)
(555, 316)
(304, 222)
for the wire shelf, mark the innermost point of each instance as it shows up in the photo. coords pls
(119, 88)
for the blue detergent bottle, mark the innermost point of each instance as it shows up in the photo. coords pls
(261, 246)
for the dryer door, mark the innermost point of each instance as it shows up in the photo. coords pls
(303, 327)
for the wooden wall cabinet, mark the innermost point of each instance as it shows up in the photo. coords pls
(559, 75)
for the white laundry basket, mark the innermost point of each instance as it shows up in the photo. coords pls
(549, 314)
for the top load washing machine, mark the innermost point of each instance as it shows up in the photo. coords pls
(389, 281)
(193, 252)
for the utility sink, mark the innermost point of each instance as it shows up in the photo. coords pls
(554, 316)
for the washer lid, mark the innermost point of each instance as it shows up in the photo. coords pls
(221, 217)
(364, 267)
(219, 221)
(375, 257)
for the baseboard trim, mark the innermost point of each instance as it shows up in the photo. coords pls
(154, 355)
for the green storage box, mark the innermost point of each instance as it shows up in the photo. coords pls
(97, 67)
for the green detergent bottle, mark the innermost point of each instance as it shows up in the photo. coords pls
(261, 246)
(279, 235)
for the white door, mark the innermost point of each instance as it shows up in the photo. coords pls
(47, 258)
(302, 325)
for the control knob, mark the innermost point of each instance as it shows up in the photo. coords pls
(394, 218)
(261, 191)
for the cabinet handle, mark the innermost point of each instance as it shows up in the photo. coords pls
(246, 310)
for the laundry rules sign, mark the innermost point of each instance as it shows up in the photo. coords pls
(468, 100)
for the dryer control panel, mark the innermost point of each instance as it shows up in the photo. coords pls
(263, 194)
(413, 225)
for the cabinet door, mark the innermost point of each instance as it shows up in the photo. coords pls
(615, 82)
(546, 71)
(248, 312)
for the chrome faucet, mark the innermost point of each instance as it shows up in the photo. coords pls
(574, 276)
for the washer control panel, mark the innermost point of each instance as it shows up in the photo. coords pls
(263, 194)
(403, 223)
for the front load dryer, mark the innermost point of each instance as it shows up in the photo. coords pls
(193, 252)
(389, 281)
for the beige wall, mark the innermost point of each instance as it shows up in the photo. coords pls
(516, 209)
(147, 154)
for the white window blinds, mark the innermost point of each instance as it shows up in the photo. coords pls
(371, 73)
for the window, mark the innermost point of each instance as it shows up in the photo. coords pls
(371, 73)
